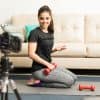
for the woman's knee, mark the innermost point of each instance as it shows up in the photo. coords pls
(70, 82)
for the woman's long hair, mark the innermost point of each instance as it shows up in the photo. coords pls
(47, 9)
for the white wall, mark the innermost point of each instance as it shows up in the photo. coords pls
(12, 7)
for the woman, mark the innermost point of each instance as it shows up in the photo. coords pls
(40, 47)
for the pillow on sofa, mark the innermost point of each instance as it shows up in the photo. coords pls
(28, 29)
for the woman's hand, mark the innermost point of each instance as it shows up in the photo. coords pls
(51, 66)
(61, 47)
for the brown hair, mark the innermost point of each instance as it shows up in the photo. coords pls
(47, 9)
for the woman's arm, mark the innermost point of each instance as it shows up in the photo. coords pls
(32, 54)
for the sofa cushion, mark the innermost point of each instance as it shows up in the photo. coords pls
(21, 62)
(69, 28)
(93, 50)
(72, 50)
(92, 28)
(23, 52)
(24, 19)
(77, 62)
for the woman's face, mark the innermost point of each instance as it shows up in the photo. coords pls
(44, 20)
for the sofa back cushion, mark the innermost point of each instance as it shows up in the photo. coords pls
(92, 28)
(92, 34)
(69, 28)
(22, 20)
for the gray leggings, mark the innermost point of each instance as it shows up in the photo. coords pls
(59, 77)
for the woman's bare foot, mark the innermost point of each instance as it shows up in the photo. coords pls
(32, 81)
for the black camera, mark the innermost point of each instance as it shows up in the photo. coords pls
(9, 42)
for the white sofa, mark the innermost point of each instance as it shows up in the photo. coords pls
(80, 33)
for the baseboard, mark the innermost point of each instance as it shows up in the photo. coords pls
(76, 71)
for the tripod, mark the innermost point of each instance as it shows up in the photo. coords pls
(6, 65)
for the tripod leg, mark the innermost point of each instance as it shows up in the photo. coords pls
(3, 96)
(4, 90)
(0, 85)
(14, 88)
(6, 95)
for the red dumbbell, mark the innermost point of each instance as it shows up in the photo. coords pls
(47, 70)
(90, 87)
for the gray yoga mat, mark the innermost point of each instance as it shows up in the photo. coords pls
(74, 90)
